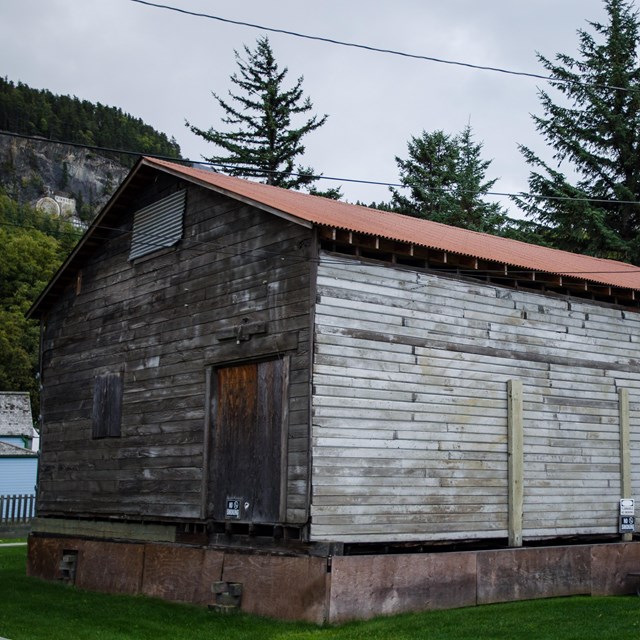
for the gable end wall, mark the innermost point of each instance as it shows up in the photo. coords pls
(158, 321)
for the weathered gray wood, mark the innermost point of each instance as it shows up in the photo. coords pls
(625, 451)
(415, 367)
(110, 530)
(286, 481)
(157, 319)
(516, 462)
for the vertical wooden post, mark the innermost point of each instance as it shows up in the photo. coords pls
(206, 444)
(284, 440)
(625, 450)
(515, 461)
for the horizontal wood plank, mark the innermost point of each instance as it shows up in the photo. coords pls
(409, 376)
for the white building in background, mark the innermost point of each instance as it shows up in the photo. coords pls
(59, 203)
(67, 204)
(19, 443)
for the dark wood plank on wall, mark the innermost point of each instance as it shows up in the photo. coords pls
(158, 321)
(107, 406)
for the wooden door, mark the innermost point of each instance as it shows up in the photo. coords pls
(247, 442)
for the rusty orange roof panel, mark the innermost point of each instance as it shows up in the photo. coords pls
(393, 226)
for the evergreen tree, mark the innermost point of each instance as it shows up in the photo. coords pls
(39, 112)
(595, 135)
(445, 176)
(264, 144)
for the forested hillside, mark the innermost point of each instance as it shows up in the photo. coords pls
(34, 243)
(39, 112)
(33, 167)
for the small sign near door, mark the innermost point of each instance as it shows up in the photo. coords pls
(232, 511)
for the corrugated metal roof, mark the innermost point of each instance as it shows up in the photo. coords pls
(341, 215)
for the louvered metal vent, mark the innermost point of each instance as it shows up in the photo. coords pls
(159, 225)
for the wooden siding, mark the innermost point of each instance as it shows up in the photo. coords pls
(410, 407)
(163, 320)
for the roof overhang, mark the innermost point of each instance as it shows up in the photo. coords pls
(417, 241)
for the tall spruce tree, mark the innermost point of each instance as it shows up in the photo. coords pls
(595, 136)
(445, 178)
(264, 143)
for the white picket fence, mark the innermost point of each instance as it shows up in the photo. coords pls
(17, 509)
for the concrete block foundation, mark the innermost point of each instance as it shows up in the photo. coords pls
(341, 588)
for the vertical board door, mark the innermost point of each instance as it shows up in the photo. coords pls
(247, 447)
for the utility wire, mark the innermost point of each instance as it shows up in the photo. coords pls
(233, 251)
(217, 165)
(366, 47)
(90, 147)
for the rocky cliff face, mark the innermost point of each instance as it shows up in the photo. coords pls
(31, 169)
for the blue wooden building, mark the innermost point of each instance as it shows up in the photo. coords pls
(18, 445)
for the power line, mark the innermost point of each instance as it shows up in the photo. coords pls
(152, 240)
(231, 250)
(249, 171)
(90, 147)
(404, 54)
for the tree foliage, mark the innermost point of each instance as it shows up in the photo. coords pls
(262, 141)
(34, 245)
(594, 131)
(445, 179)
(41, 113)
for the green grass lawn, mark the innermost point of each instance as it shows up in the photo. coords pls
(32, 609)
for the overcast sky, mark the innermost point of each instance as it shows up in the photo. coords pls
(161, 66)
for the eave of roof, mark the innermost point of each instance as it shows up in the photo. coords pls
(310, 210)
(433, 235)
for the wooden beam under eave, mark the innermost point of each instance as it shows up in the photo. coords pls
(435, 256)
(628, 295)
(490, 266)
(550, 279)
(387, 245)
(365, 241)
(468, 261)
(601, 290)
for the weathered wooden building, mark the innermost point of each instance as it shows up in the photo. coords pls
(243, 384)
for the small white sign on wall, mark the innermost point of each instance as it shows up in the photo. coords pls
(627, 522)
(627, 507)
